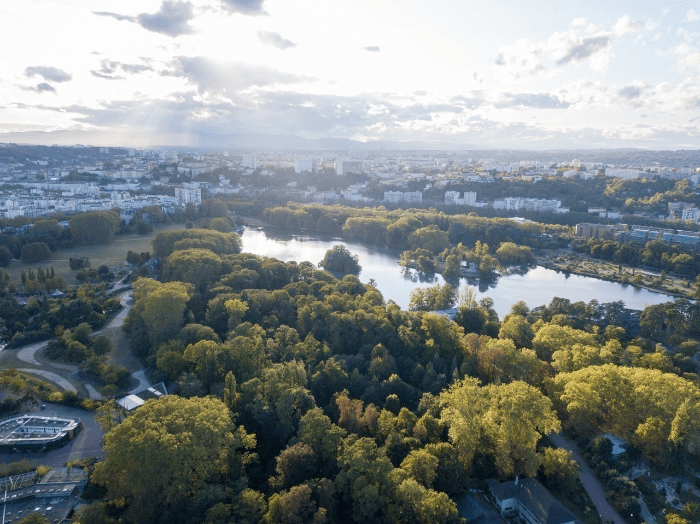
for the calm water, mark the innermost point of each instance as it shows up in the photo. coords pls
(537, 287)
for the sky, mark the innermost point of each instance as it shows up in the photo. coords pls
(485, 74)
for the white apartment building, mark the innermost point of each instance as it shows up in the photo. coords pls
(453, 197)
(250, 161)
(302, 165)
(692, 213)
(528, 204)
(413, 196)
(393, 196)
(343, 167)
(186, 195)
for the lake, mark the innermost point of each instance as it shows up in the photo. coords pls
(537, 287)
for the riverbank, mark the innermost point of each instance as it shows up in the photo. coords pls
(575, 263)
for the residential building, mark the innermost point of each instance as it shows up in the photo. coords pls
(599, 230)
(413, 197)
(302, 165)
(692, 213)
(186, 195)
(531, 501)
(453, 197)
(393, 196)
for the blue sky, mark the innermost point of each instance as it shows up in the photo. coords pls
(536, 74)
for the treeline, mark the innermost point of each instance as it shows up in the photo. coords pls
(44, 236)
(301, 397)
(654, 254)
(394, 228)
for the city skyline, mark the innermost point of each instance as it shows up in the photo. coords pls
(541, 75)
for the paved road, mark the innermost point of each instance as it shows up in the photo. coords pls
(51, 377)
(127, 302)
(94, 394)
(26, 354)
(140, 375)
(589, 480)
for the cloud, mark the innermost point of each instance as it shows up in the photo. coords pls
(51, 74)
(231, 77)
(571, 48)
(108, 68)
(372, 48)
(691, 16)
(244, 7)
(530, 100)
(688, 57)
(172, 19)
(521, 59)
(582, 43)
(275, 40)
(43, 87)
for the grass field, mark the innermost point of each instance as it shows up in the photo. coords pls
(108, 254)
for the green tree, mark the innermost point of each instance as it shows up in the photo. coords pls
(221, 224)
(161, 307)
(422, 466)
(35, 252)
(430, 238)
(94, 227)
(364, 478)
(167, 451)
(433, 298)
(5, 256)
(517, 329)
(338, 259)
(560, 469)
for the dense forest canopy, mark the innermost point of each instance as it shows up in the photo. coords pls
(336, 406)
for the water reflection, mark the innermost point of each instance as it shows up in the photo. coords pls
(536, 286)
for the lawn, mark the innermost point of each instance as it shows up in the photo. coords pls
(108, 254)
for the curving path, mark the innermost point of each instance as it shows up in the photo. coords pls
(140, 375)
(589, 480)
(94, 394)
(52, 377)
(28, 355)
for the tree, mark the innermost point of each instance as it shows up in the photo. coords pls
(5, 256)
(77, 264)
(503, 421)
(430, 238)
(167, 451)
(200, 267)
(94, 227)
(295, 464)
(560, 469)
(364, 478)
(35, 252)
(161, 307)
(338, 259)
(221, 224)
(517, 329)
(433, 298)
(422, 466)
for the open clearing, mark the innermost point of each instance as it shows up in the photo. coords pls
(107, 254)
